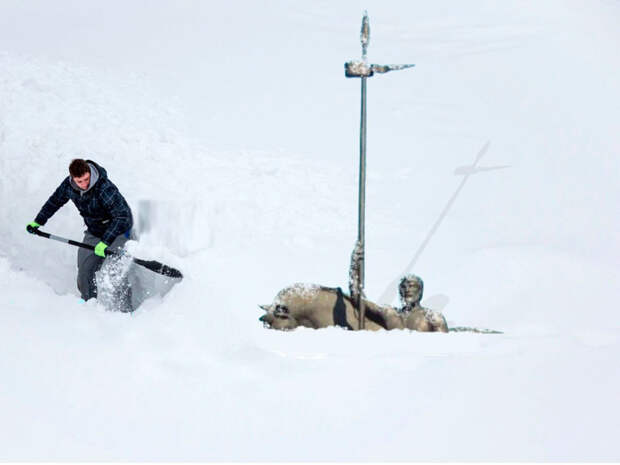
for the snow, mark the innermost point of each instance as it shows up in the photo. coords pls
(233, 134)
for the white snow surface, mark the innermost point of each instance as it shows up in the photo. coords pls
(231, 128)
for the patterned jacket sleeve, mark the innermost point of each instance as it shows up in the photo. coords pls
(117, 206)
(56, 200)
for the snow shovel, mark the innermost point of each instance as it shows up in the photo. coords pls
(152, 265)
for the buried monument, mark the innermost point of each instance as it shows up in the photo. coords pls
(316, 306)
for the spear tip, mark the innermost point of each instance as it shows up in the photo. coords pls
(365, 33)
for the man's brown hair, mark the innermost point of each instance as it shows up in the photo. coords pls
(78, 168)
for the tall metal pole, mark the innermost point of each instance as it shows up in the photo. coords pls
(361, 212)
(361, 223)
(363, 70)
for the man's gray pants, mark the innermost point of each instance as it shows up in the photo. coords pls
(88, 264)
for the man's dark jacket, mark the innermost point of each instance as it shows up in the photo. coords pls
(105, 211)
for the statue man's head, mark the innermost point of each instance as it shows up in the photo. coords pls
(411, 288)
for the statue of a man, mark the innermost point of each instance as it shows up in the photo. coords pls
(411, 315)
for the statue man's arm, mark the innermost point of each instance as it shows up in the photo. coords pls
(385, 316)
(357, 257)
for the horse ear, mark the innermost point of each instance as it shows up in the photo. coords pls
(267, 308)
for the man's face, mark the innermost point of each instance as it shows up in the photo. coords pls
(83, 181)
(410, 291)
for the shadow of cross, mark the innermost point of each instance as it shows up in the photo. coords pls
(388, 295)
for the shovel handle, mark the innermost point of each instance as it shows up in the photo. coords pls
(40, 233)
(152, 265)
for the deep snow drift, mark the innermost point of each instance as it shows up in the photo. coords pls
(234, 132)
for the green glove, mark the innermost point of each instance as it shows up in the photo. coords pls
(32, 225)
(100, 249)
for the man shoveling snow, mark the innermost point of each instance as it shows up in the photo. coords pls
(108, 219)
